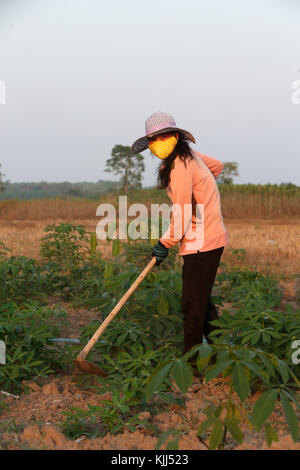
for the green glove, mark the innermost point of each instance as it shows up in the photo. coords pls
(160, 252)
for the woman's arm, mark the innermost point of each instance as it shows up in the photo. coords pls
(213, 164)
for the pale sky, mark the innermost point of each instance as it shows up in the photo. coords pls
(83, 75)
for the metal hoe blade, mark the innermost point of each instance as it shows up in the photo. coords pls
(89, 368)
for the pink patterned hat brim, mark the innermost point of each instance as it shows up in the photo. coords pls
(159, 123)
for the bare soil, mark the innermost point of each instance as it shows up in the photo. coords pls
(32, 420)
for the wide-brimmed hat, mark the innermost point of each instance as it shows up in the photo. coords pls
(159, 123)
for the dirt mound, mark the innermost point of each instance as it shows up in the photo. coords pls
(48, 436)
(290, 289)
(32, 421)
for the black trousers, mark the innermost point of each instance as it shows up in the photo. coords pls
(198, 276)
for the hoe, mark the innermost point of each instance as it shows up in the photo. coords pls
(80, 361)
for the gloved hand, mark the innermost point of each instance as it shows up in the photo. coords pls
(160, 252)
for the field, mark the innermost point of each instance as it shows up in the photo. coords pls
(273, 246)
(64, 285)
(270, 201)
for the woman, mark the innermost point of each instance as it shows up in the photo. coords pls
(196, 222)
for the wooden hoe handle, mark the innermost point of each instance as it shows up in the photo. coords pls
(116, 309)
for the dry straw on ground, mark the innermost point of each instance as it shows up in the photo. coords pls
(237, 202)
(272, 246)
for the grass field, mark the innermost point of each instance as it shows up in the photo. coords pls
(271, 245)
(238, 201)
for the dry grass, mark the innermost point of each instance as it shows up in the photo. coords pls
(257, 237)
(239, 204)
(273, 246)
(43, 209)
(236, 203)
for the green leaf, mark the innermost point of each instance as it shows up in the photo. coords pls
(218, 410)
(93, 243)
(291, 416)
(255, 338)
(205, 425)
(108, 270)
(270, 434)
(216, 369)
(157, 377)
(247, 337)
(295, 378)
(182, 374)
(268, 364)
(256, 369)
(116, 248)
(241, 381)
(263, 408)
(216, 435)
(283, 369)
(275, 334)
(164, 436)
(234, 429)
(266, 338)
(163, 305)
(202, 350)
(205, 350)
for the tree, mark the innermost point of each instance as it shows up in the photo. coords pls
(2, 185)
(230, 169)
(130, 167)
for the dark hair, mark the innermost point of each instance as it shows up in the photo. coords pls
(181, 150)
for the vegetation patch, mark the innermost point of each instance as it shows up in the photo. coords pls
(141, 349)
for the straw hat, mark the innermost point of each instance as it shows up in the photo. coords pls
(159, 123)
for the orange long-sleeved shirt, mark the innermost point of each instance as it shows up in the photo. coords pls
(195, 180)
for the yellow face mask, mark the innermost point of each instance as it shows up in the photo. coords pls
(163, 148)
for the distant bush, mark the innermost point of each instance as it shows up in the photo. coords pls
(44, 190)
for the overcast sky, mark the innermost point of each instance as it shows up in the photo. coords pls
(83, 75)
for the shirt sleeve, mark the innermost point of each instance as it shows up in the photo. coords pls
(181, 188)
(213, 164)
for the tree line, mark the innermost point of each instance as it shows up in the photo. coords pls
(129, 168)
(43, 189)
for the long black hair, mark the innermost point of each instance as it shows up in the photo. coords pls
(181, 150)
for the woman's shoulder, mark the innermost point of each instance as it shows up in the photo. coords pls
(198, 157)
(197, 154)
(188, 164)
(193, 166)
